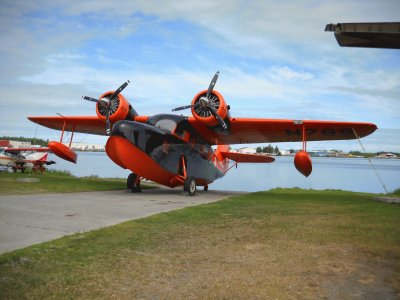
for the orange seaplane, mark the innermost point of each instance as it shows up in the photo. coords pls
(175, 150)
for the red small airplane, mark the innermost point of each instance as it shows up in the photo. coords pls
(22, 158)
(175, 150)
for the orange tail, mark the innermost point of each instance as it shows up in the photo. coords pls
(222, 161)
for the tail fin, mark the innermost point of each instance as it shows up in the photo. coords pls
(222, 160)
(44, 158)
(220, 150)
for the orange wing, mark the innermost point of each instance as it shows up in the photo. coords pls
(84, 124)
(242, 131)
(272, 131)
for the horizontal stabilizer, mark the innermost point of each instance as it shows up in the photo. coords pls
(248, 158)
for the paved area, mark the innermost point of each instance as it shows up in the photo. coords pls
(30, 219)
(395, 200)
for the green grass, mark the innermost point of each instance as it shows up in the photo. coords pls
(55, 182)
(284, 243)
(396, 192)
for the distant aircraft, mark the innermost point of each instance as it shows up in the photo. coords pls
(175, 150)
(22, 158)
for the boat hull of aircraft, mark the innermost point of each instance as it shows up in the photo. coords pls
(161, 156)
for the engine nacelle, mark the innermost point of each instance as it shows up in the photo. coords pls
(120, 109)
(216, 100)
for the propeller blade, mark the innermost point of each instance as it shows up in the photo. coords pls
(186, 107)
(120, 89)
(90, 99)
(108, 129)
(212, 84)
(182, 107)
(214, 113)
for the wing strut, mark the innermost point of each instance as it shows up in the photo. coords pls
(61, 150)
(370, 161)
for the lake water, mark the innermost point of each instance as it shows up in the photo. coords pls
(352, 174)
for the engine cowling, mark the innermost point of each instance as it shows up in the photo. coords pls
(120, 109)
(202, 114)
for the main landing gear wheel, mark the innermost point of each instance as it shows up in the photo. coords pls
(133, 184)
(190, 186)
(206, 188)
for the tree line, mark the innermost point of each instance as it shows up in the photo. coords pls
(268, 149)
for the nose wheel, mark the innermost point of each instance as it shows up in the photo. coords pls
(133, 183)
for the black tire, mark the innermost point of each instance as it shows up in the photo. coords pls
(206, 188)
(131, 184)
(190, 186)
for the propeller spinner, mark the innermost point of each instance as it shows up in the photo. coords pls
(108, 104)
(207, 105)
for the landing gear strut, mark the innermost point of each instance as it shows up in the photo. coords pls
(133, 183)
(190, 186)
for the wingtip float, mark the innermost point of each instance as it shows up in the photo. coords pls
(176, 150)
(63, 151)
(302, 162)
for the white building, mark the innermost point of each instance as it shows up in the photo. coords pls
(86, 147)
(284, 152)
(247, 150)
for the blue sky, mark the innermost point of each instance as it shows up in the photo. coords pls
(274, 57)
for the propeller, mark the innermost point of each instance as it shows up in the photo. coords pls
(207, 105)
(108, 104)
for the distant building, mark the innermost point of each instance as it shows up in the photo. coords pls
(87, 147)
(319, 153)
(247, 150)
(4, 143)
(284, 152)
(14, 144)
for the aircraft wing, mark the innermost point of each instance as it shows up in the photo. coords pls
(33, 149)
(368, 35)
(83, 124)
(243, 131)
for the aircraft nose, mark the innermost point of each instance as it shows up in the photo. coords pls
(127, 130)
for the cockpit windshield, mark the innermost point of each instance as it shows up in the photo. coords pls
(166, 124)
